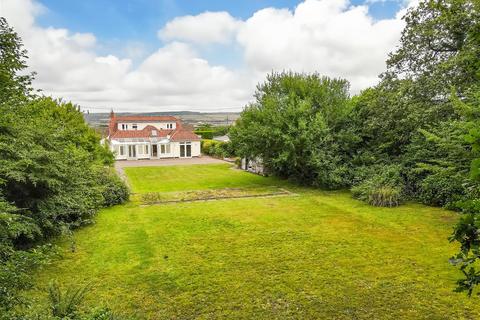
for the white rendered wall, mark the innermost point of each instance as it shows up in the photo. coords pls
(175, 149)
(196, 149)
(140, 154)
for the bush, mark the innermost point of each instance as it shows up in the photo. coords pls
(385, 196)
(442, 188)
(15, 276)
(383, 188)
(65, 304)
(217, 149)
(114, 190)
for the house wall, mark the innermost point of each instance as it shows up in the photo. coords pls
(142, 125)
(175, 149)
(196, 150)
(140, 150)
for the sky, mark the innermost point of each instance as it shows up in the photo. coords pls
(173, 55)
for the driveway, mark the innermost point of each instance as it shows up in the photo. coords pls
(119, 165)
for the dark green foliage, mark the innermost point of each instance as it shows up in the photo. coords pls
(380, 186)
(15, 276)
(208, 131)
(466, 233)
(54, 173)
(438, 162)
(114, 190)
(14, 84)
(291, 127)
(65, 304)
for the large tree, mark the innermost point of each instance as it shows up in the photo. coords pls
(54, 173)
(439, 48)
(15, 82)
(291, 126)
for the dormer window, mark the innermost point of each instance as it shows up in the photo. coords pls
(154, 133)
(124, 126)
(134, 126)
(169, 125)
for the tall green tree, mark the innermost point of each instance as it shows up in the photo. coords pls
(291, 127)
(14, 81)
(439, 48)
(54, 173)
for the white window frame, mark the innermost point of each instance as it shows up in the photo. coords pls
(185, 144)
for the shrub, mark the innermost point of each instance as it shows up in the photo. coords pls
(217, 149)
(65, 304)
(383, 188)
(442, 188)
(385, 196)
(114, 190)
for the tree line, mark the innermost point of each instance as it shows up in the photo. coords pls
(414, 136)
(54, 176)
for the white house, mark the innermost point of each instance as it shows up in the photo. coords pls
(156, 137)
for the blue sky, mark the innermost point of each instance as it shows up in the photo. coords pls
(115, 22)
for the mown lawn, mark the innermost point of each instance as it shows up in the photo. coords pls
(313, 255)
(196, 177)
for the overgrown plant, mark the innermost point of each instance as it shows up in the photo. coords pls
(65, 304)
(380, 186)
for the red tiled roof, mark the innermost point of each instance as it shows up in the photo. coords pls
(183, 135)
(144, 133)
(179, 134)
(145, 118)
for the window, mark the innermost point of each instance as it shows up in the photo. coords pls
(169, 125)
(124, 126)
(122, 150)
(143, 149)
(154, 133)
(185, 149)
(162, 149)
(168, 148)
(134, 126)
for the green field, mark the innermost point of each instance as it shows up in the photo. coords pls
(308, 255)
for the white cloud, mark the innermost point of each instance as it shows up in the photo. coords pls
(331, 37)
(172, 78)
(205, 28)
(328, 36)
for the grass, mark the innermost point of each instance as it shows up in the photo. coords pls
(209, 194)
(316, 255)
(196, 177)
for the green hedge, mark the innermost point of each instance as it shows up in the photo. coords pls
(205, 134)
(217, 149)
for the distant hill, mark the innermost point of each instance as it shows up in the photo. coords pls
(100, 120)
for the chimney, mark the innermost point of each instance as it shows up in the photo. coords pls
(112, 125)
